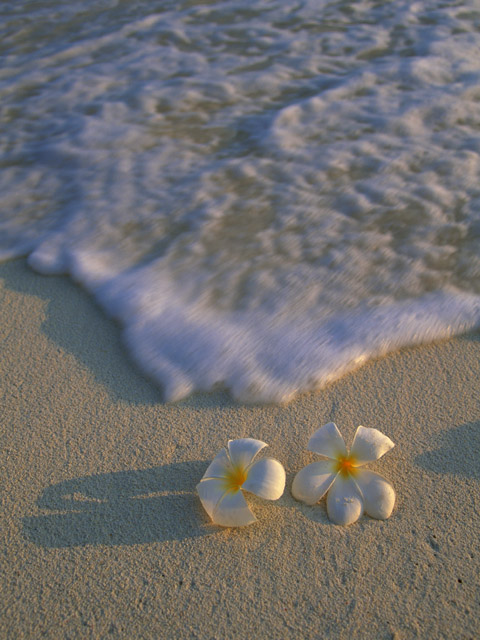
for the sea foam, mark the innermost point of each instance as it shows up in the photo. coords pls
(263, 196)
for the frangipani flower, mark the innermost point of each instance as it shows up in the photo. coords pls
(351, 489)
(231, 471)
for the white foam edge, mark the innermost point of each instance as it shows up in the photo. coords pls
(187, 347)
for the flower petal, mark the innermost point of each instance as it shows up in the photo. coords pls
(211, 491)
(369, 445)
(378, 494)
(313, 481)
(344, 501)
(219, 466)
(328, 441)
(266, 478)
(232, 511)
(244, 450)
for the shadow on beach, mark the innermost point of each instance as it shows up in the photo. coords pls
(456, 452)
(78, 325)
(75, 323)
(123, 508)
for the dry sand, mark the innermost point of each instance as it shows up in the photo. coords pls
(103, 535)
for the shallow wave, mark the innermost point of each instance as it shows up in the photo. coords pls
(265, 197)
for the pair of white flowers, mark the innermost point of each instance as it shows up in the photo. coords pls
(351, 490)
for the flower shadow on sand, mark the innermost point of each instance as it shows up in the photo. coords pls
(123, 508)
(456, 452)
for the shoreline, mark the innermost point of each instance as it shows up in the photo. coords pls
(103, 535)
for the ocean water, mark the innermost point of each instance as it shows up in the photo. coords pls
(265, 194)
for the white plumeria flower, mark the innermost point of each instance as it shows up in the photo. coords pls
(231, 471)
(351, 489)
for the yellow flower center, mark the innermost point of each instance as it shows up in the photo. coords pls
(234, 479)
(346, 465)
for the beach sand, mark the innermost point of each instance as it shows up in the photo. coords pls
(103, 535)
